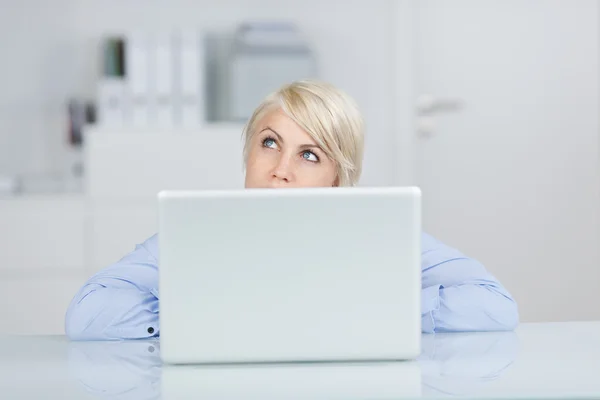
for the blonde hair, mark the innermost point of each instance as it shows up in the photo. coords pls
(328, 115)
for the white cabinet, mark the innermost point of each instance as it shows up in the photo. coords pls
(126, 168)
(41, 232)
(42, 254)
(122, 164)
(37, 304)
(49, 245)
(116, 227)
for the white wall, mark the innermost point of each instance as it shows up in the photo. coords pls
(36, 78)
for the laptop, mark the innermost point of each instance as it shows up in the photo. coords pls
(290, 275)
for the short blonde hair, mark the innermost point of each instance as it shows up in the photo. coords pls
(327, 114)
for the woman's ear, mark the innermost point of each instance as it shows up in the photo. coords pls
(336, 182)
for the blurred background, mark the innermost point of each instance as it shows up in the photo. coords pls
(491, 107)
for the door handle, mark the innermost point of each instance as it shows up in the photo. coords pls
(429, 104)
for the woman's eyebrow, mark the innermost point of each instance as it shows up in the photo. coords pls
(268, 128)
(310, 146)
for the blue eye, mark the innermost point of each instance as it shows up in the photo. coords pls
(310, 156)
(270, 143)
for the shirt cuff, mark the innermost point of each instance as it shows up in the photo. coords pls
(143, 330)
(153, 329)
(430, 304)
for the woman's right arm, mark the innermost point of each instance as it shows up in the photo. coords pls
(120, 301)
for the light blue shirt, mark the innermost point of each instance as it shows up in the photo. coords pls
(121, 301)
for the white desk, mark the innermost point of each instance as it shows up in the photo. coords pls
(536, 361)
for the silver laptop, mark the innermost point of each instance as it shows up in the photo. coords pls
(290, 275)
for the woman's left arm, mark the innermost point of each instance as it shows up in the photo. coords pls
(458, 294)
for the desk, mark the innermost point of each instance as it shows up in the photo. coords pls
(536, 361)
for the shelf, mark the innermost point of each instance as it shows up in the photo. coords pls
(217, 128)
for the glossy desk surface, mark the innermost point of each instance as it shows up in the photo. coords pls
(537, 361)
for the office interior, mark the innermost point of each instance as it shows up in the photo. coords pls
(490, 107)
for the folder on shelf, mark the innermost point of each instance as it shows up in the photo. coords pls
(138, 67)
(111, 100)
(163, 80)
(190, 86)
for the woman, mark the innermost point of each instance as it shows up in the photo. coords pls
(307, 134)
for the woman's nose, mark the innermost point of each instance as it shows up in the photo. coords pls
(283, 171)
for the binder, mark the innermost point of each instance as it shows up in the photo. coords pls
(163, 80)
(110, 90)
(138, 69)
(191, 68)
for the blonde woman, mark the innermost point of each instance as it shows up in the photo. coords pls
(307, 134)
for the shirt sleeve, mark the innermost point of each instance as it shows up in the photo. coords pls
(120, 301)
(458, 294)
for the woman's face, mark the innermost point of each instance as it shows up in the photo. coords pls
(283, 155)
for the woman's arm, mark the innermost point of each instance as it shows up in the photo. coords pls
(120, 301)
(458, 294)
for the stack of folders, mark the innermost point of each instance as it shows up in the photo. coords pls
(152, 80)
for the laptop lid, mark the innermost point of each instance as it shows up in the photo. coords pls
(262, 275)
